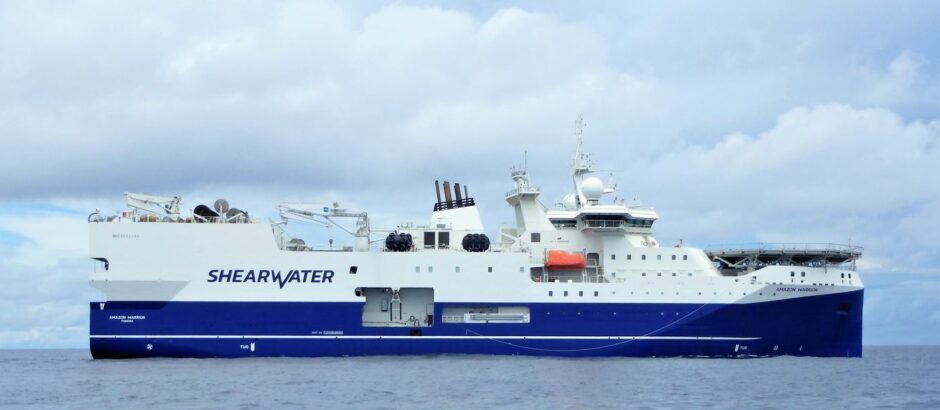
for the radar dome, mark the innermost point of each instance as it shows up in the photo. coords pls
(570, 202)
(592, 188)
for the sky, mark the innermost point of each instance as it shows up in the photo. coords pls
(739, 122)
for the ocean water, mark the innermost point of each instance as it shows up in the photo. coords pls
(887, 377)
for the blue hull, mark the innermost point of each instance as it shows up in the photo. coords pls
(826, 325)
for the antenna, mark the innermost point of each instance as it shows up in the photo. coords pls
(525, 159)
(579, 128)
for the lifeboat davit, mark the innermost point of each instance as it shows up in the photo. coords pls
(558, 260)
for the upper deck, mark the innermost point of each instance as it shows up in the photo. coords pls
(744, 258)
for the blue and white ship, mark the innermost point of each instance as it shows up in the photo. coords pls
(586, 279)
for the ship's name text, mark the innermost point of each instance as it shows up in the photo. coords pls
(270, 276)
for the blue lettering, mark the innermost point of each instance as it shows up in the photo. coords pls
(272, 276)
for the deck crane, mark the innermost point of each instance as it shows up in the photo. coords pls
(326, 216)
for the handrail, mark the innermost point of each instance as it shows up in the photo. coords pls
(784, 246)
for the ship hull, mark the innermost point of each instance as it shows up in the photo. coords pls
(823, 325)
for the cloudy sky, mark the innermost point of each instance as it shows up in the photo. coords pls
(790, 122)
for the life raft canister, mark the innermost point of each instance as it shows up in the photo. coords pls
(564, 260)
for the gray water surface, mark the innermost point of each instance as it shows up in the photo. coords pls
(887, 377)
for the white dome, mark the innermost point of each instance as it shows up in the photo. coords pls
(592, 188)
(570, 202)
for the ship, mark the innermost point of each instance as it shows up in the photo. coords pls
(585, 278)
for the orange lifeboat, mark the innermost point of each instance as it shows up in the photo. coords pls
(558, 260)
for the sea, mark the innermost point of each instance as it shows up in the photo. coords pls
(886, 377)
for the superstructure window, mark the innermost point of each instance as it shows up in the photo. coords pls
(457, 269)
(613, 257)
(580, 293)
(550, 293)
(659, 257)
(685, 257)
(643, 257)
(430, 269)
(673, 257)
(353, 269)
(629, 257)
(443, 239)
(536, 237)
(489, 269)
(566, 293)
